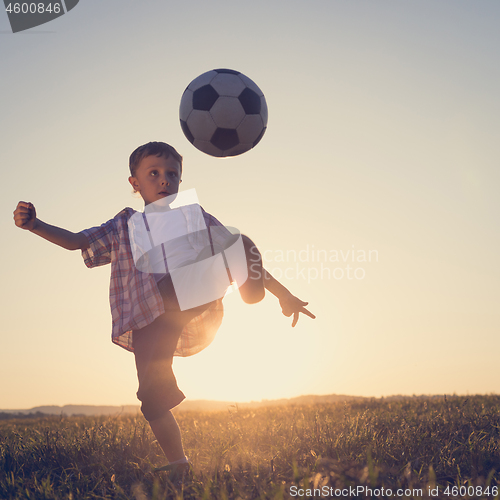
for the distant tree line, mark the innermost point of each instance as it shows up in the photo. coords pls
(6, 416)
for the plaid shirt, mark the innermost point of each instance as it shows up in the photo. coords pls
(134, 297)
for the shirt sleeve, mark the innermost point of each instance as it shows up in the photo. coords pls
(100, 239)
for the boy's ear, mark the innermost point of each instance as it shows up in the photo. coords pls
(133, 182)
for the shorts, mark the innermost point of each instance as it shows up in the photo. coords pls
(154, 347)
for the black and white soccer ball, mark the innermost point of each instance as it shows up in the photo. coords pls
(223, 113)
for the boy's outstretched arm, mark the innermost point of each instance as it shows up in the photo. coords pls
(288, 302)
(25, 218)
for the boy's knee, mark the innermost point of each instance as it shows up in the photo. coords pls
(252, 296)
(150, 412)
(154, 406)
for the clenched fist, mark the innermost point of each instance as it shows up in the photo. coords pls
(25, 215)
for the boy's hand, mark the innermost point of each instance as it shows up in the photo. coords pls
(25, 215)
(293, 305)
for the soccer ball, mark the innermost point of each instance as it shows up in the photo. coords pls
(223, 113)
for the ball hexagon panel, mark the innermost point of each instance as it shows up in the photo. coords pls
(263, 110)
(259, 138)
(250, 128)
(227, 112)
(228, 85)
(186, 105)
(208, 148)
(201, 125)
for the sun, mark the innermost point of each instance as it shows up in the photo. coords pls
(250, 359)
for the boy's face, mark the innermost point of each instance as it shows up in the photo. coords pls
(156, 177)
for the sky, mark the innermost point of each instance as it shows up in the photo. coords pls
(372, 195)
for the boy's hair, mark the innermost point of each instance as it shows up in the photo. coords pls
(152, 149)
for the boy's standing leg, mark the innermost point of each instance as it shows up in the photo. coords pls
(154, 347)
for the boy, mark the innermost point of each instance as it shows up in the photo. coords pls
(147, 318)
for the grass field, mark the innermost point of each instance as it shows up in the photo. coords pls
(416, 448)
